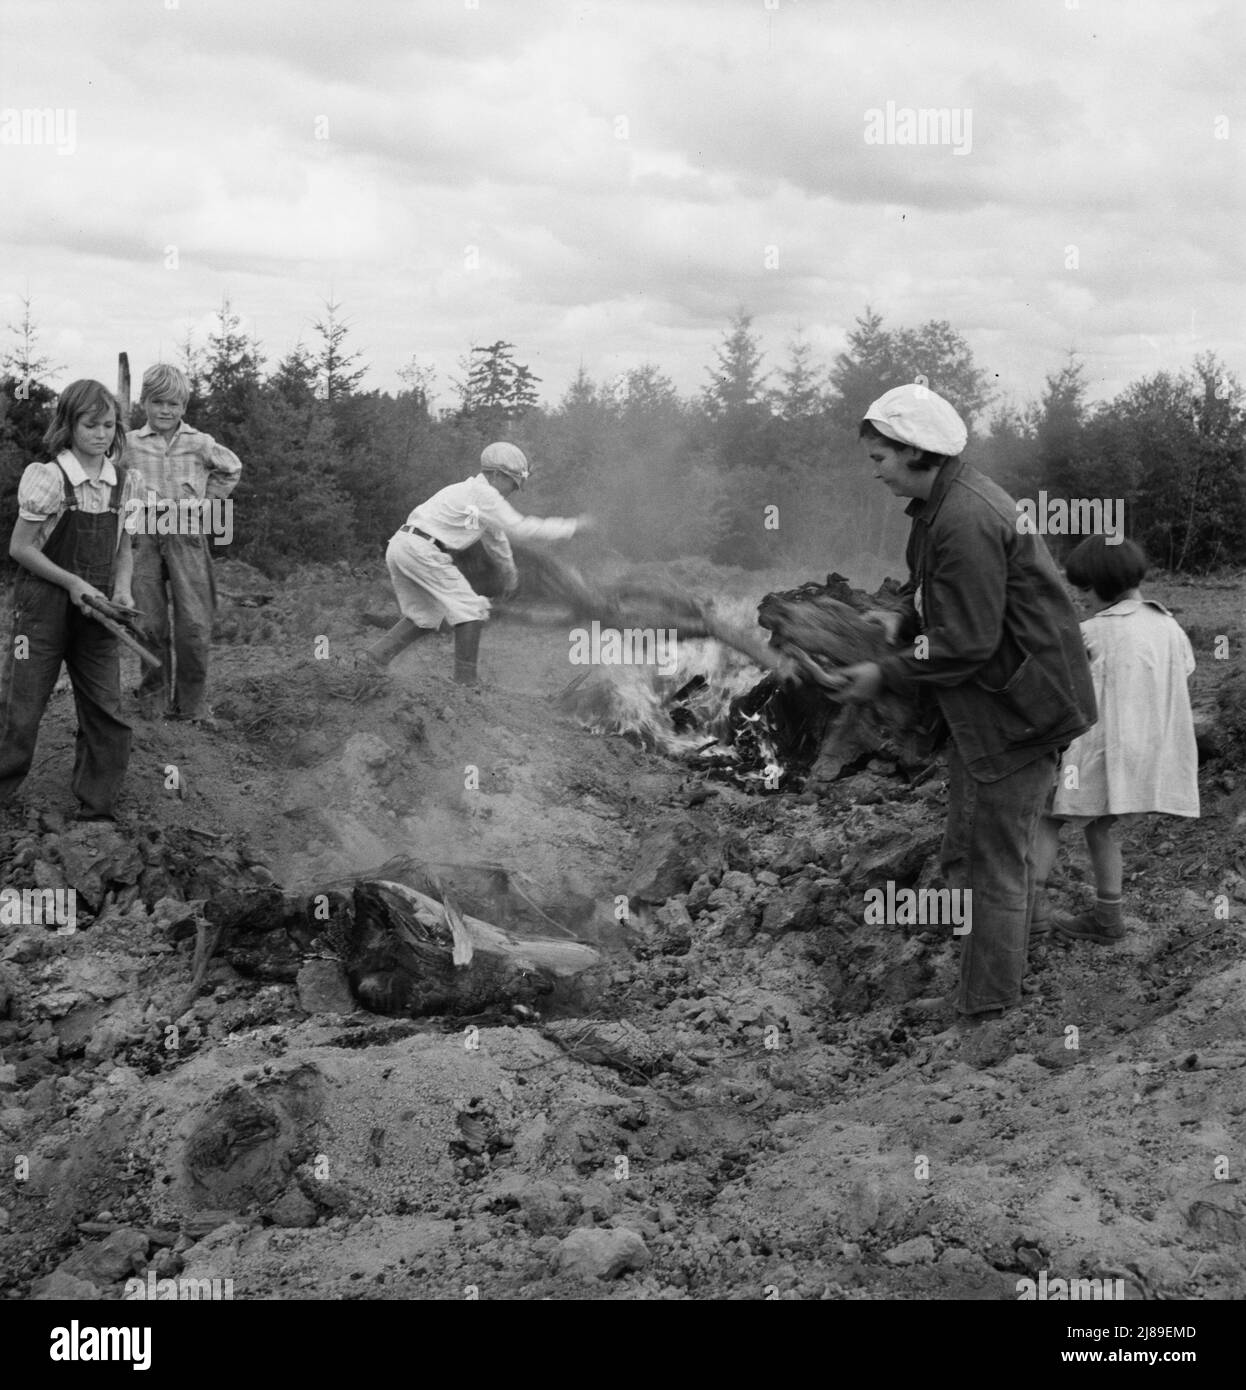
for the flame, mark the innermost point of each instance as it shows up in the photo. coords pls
(639, 702)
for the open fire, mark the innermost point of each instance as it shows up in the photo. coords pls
(676, 713)
(713, 712)
(723, 714)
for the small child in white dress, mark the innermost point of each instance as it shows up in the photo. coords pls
(1141, 757)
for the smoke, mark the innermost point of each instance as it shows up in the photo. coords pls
(801, 522)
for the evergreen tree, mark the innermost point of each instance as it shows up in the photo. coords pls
(737, 384)
(23, 362)
(418, 380)
(27, 404)
(577, 437)
(862, 373)
(337, 374)
(295, 377)
(802, 431)
(191, 360)
(801, 395)
(523, 392)
(648, 406)
(742, 441)
(582, 397)
(1059, 426)
(25, 387)
(290, 506)
(231, 380)
(490, 372)
(496, 390)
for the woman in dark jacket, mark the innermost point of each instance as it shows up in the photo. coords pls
(987, 627)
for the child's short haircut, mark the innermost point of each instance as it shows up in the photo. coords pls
(1110, 570)
(164, 382)
(928, 460)
(81, 400)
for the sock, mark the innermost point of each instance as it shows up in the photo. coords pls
(1108, 910)
(1042, 905)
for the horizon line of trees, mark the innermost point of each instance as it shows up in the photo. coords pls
(761, 468)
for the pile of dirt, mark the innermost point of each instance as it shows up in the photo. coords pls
(765, 1099)
(761, 1102)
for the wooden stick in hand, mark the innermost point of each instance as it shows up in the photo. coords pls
(99, 611)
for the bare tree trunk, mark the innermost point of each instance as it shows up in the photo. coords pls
(1189, 521)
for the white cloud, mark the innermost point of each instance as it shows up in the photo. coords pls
(500, 128)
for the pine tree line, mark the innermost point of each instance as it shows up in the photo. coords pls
(761, 468)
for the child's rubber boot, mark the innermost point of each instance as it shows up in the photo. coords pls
(399, 637)
(466, 651)
(1103, 926)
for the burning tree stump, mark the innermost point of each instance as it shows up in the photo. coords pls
(822, 628)
(824, 631)
(790, 721)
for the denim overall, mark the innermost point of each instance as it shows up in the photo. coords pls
(43, 613)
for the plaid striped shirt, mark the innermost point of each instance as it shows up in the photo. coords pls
(191, 464)
(41, 492)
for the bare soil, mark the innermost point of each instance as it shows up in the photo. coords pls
(759, 1089)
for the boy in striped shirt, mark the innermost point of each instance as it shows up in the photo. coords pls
(173, 565)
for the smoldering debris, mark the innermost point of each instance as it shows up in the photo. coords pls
(748, 702)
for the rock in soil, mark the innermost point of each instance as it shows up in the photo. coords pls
(61, 1287)
(116, 1257)
(600, 1254)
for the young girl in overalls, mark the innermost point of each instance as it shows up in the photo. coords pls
(71, 545)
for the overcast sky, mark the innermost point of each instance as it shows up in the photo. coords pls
(628, 174)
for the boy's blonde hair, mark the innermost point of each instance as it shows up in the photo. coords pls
(164, 382)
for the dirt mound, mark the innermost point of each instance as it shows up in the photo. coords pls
(765, 1100)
